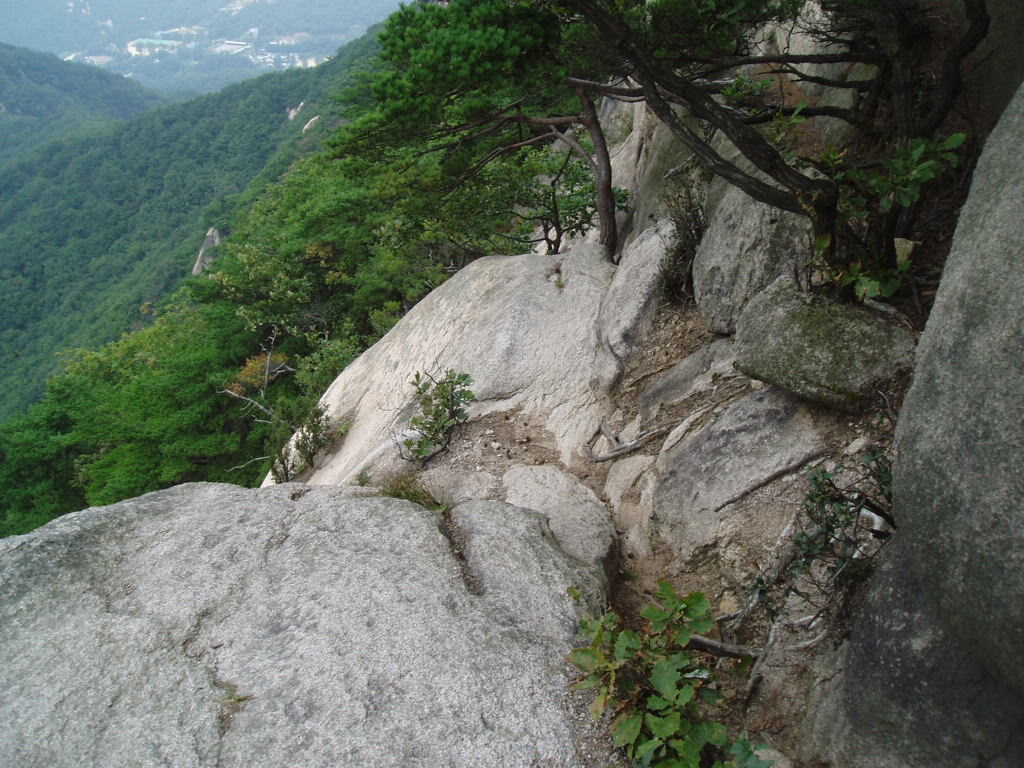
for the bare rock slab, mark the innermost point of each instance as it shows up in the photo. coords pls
(578, 519)
(747, 443)
(524, 327)
(818, 349)
(630, 300)
(692, 374)
(209, 625)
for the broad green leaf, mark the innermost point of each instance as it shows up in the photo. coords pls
(688, 750)
(644, 748)
(663, 727)
(664, 678)
(685, 695)
(626, 645)
(710, 732)
(954, 141)
(625, 728)
(658, 617)
(744, 756)
(589, 682)
(711, 696)
(600, 704)
(588, 659)
(657, 704)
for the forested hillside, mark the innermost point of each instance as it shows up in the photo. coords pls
(42, 97)
(95, 229)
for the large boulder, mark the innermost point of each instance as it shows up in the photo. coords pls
(578, 519)
(745, 247)
(630, 301)
(209, 625)
(818, 349)
(935, 675)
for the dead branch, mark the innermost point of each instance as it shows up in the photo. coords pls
(624, 448)
(250, 461)
(719, 648)
(771, 478)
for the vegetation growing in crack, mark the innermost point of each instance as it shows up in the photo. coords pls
(442, 407)
(408, 486)
(685, 199)
(845, 520)
(659, 687)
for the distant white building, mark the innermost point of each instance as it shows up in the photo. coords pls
(149, 46)
(230, 46)
(183, 32)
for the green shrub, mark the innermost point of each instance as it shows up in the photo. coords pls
(298, 453)
(658, 687)
(442, 407)
(836, 542)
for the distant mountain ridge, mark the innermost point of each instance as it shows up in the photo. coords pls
(93, 228)
(190, 45)
(42, 97)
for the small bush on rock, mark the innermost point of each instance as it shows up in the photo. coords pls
(442, 407)
(846, 519)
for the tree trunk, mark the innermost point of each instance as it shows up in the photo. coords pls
(602, 176)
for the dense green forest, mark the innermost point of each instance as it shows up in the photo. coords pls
(95, 229)
(43, 98)
(473, 131)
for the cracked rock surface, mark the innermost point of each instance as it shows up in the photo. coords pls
(210, 625)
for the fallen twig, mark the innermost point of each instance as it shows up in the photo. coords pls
(624, 448)
(771, 478)
(719, 648)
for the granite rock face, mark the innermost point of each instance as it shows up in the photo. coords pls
(209, 625)
(524, 327)
(935, 676)
(749, 441)
(630, 300)
(746, 246)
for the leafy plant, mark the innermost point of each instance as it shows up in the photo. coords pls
(442, 407)
(657, 687)
(847, 515)
(744, 88)
(872, 197)
(902, 175)
(298, 452)
(870, 281)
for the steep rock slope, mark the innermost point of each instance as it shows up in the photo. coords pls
(289, 626)
(598, 407)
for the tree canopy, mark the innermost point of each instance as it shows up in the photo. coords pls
(481, 79)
